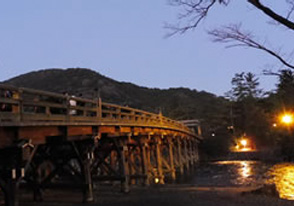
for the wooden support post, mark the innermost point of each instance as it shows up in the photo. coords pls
(149, 163)
(145, 164)
(171, 159)
(192, 142)
(159, 161)
(196, 151)
(180, 158)
(132, 170)
(113, 159)
(99, 109)
(124, 169)
(37, 191)
(10, 190)
(191, 154)
(186, 156)
(88, 190)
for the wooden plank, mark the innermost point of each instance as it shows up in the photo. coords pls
(9, 116)
(42, 117)
(83, 119)
(38, 134)
(107, 129)
(125, 129)
(79, 130)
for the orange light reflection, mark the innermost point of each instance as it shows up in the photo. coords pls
(282, 176)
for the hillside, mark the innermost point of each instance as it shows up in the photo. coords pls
(177, 103)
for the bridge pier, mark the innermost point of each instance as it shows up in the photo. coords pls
(149, 166)
(191, 158)
(186, 156)
(158, 153)
(171, 159)
(124, 169)
(180, 156)
(145, 165)
(88, 184)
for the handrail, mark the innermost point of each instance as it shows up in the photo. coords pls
(30, 105)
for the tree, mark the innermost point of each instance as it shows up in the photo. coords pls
(244, 86)
(286, 87)
(248, 114)
(195, 11)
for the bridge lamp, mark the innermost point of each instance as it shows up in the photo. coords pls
(287, 119)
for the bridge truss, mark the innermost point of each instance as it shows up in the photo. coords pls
(51, 140)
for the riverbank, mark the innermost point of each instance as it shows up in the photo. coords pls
(170, 195)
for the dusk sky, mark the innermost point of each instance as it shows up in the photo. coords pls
(124, 40)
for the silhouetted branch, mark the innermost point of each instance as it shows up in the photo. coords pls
(269, 12)
(291, 3)
(270, 73)
(235, 37)
(194, 12)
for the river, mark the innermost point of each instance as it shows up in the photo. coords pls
(244, 173)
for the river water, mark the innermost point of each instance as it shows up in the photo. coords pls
(246, 173)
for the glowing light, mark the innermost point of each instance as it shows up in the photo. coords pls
(287, 119)
(243, 142)
(156, 180)
(245, 149)
(243, 145)
(274, 124)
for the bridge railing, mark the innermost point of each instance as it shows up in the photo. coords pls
(29, 105)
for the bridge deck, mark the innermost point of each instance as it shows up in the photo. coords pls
(38, 114)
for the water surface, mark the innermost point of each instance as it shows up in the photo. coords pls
(247, 173)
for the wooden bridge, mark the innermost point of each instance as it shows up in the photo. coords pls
(49, 139)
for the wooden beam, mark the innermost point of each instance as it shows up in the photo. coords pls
(171, 159)
(159, 160)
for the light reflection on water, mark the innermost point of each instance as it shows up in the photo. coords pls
(230, 173)
(282, 175)
(242, 172)
(248, 173)
(245, 169)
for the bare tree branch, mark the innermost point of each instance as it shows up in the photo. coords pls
(270, 73)
(269, 12)
(291, 3)
(235, 37)
(194, 12)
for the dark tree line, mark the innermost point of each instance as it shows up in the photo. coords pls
(251, 112)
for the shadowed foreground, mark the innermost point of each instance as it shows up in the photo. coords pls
(166, 195)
